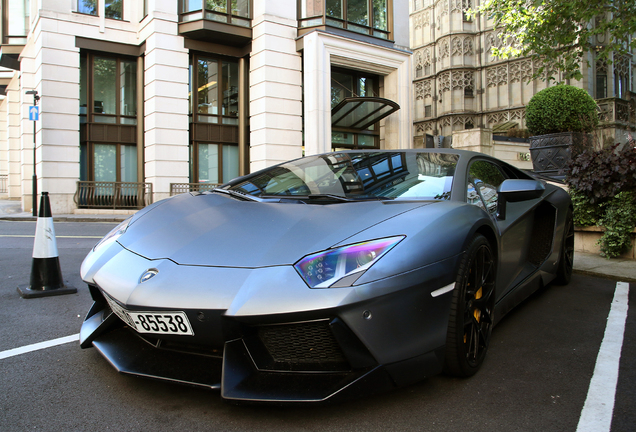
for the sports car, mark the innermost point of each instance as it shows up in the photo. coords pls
(327, 277)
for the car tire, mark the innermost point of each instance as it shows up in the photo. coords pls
(471, 315)
(566, 256)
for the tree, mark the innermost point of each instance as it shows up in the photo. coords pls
(558, 34)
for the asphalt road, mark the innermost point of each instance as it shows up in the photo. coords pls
(536, 377)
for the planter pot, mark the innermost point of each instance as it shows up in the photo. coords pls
(551, 153)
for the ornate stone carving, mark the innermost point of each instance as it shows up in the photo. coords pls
(457, 46)
(464, 121)
(423, 89)
(622, 111)
(468, 45)
(526, 70)
(444, 50)
(606, 112)
(462, 46)
(442, 9)
(426, 18)
(427, 88)
(462, 80)
(518, 114)
(492, 40)
(417, 21)
(456, 6)
(425, 126)
(496, 118)
(426, 57)
(445, 81)
(496, 76)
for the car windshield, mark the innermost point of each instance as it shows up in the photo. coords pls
(357, 176)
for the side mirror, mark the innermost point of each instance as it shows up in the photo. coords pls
(514, 190)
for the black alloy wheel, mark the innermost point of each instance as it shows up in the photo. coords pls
(566, 257)
(471, 315)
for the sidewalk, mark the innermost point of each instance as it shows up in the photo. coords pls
(12, 211)
(585, 263)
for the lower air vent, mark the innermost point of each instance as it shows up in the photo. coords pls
(542, 234)
(301, 343)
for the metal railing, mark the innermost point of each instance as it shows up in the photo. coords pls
(3, 183)
(112, 195)
(179, 188)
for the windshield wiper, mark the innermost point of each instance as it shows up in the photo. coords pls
(327, 196)
(235, 194)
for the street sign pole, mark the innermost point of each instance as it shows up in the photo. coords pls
(33, 115)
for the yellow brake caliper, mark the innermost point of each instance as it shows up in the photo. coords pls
(477, 312)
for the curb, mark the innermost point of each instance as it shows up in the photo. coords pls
(616, 278)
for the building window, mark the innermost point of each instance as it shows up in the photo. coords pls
(427, 111)
(235, 12)
(114, 9)
(114, 90)
(601, 79)
(601, 85)
(15, 21)
(108, 118)
(347, 83)
(214, 152)
(88, 7)
(370, 17)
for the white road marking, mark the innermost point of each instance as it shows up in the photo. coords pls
(596, 415)
(38, 346)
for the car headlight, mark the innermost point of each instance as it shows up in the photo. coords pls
(114, 234)
(341, 267)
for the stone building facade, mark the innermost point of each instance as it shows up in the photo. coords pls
(141, 97)
(459, 85)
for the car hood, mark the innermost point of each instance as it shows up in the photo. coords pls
(219, 230)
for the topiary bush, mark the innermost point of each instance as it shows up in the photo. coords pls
(562, 108)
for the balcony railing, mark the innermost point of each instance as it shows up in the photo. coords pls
(3, 183)
(179, 188)
(113, 195)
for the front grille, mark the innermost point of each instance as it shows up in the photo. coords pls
(301, 343)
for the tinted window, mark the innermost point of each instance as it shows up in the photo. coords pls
(483, 179)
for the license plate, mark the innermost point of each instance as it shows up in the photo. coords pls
(173, 323)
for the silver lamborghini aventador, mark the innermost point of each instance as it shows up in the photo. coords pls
(326, 277)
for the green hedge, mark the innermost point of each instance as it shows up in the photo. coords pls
(562, 108)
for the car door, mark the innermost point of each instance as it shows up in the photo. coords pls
(484, 177)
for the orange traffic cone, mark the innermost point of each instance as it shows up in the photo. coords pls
(46, 275)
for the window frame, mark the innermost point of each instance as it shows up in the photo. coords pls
(87, 119)
(322, 19)
(194, 143)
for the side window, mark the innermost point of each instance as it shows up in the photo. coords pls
(483, 179)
